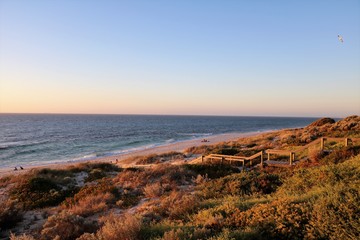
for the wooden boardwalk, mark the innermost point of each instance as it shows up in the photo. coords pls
(272, 162)
(231, 158)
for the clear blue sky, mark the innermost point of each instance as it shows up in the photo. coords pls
(273, 58)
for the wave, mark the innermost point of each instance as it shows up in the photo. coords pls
(4, 147)
(21, 145)
(129, 150)
(134, 142)
(90, 156)
(195, 134)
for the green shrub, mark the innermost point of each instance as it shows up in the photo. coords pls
(10, 215)
(211, 170)
(125, 227)
(251, 145)
(95, 174)
(280, 219)
(336, 213)
(38, 192)
(66, 226)
(227, 151)
(154, 230)
(89, 166)
(315, 179)
(101, 187)
(187, 233)
(92, 204)
(157, 158)
(246, 183)
(340, 155)
(204, 149)
(177, 205)
(153, 190)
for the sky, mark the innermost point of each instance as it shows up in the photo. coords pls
(238, 58)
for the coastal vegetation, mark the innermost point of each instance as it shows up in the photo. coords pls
(174, 197)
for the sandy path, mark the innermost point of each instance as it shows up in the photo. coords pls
(178, 146)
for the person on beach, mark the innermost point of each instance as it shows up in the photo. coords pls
(21, 168)
(15, 169)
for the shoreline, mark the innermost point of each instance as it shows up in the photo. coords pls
(176, 146)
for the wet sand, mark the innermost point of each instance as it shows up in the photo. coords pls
(178, 147)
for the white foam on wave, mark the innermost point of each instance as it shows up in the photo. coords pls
(171, 140)
(129, 150)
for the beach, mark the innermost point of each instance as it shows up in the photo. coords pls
(177, 147)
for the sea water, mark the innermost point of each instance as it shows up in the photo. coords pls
(30, 139)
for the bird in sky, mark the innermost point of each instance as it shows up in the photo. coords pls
(340, 38)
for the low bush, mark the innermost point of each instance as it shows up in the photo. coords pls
(95, 174)
(102, 187)
(241, 184)
(10, 215)
(211, 170)
(204, 150)
(163, 173)
(177, 205)
(89, 166)
(280, 219)
(158, 158)
(227, 151)
(251, 145)
(340, 155)
(91, 204)
(66, 226)
(153, 190)
(4, 181)
(21, 237)
(187, 233)
(38, 192)
(125, 227)
(312, 179)
(335, 214)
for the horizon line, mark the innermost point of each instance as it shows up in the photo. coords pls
(154, 114)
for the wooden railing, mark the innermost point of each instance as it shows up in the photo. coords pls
(281, 152)
(290, 153)
(346, 141)
(232, 158)
(322, 140)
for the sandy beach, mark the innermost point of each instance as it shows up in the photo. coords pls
(178, 147)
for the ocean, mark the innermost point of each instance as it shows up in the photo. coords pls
(32, 139)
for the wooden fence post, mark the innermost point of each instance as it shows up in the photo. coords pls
(322, 141)
(262, 159)
(268, 156)
(346, 142)
(202, 158)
